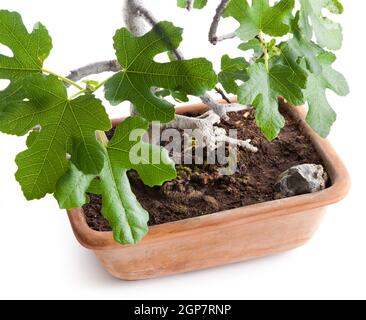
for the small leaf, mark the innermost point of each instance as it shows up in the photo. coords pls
(262, 91)
(327, 32)
(260, 17)
(140, 73)
(66, 126)
(231, 71)
(254, 45)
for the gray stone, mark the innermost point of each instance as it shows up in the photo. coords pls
(302, 179)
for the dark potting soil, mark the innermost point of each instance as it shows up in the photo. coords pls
(199, 189)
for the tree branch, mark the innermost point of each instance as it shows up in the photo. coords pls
(227, 36)
(94, 68)
(212, 36)
(189, 5)
(222, 94)
(132, 18)
(222, 109)
(212, 134)
(136, 9)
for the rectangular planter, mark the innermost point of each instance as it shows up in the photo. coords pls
(224, 237)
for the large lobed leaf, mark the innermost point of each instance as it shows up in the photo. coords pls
(263, 85)
(67, 126)
(260, 17)
(262, 91)
(120, 206)
(321, 116)
(140, 73)
(310, 61)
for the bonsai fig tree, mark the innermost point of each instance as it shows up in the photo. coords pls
(67, 152)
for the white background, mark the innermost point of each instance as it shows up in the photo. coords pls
(39, 256)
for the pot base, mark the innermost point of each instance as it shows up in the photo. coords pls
(217, 246)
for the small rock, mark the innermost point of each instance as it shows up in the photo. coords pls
(302, 179)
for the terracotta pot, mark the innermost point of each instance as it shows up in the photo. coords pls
(224, 237)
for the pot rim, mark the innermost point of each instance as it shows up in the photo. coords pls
(336, 169)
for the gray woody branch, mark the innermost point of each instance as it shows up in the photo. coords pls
(94, 68)
(189, 5)
(212, 36)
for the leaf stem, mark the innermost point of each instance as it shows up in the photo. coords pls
(78, 94)
(70, 82)
(101, 84)
(222, 93)
(265, 50)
